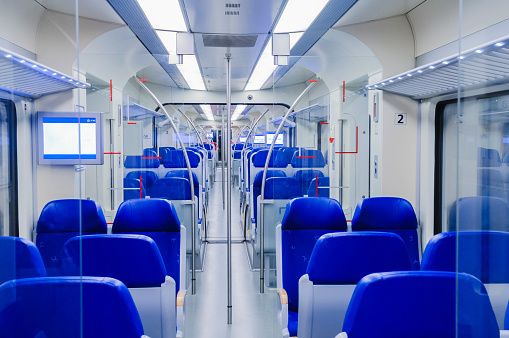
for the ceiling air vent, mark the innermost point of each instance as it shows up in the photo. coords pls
(216, 40)
(231, 12)
(232, 5)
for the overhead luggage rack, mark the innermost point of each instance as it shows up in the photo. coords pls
(479, 67)
(25, 77)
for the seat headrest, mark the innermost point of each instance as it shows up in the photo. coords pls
(176, 159)
(322, 182)
(479, 213)
(134, 260)
(308, 159)
(384, 213)
(399, 304)
(65, 216)
(182, 174)
(133, 183)
(344, 258)
(172, 188)
(314, 213)
(146, 215)
(270, 173)
(482, 254)
(19, 258)
(208, 146)
(50, 307)
(307, 174)
(280, 160)
(288, 152)
(282, 188)
(488, 158)
(145, 174)
(238, 146)
(260, 157)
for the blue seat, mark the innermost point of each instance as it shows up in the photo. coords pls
(164, 151)
(237, 154)
(488, 158)
(176, 159)
(308, 159)
(491, 183)
(19, 258)
(237, 146)
(148, 160)
(338, 262)
(289, 152)
(134, 260)
(131, 184)
(483, 254)
(208, 146)
(389, 214)
(305, 177)
(281, 161)
(185, 174)
(61, 220)
(67, 306)
(257, 186)
(260, 157)
(323, 187)
(148, 178)
(479, 213)
(420, 304)
(305, 220)
(278, 188)
(172, 188)
(157, 219)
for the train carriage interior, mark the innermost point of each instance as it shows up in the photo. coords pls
(270, 168)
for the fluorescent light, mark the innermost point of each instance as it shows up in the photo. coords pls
(263, 69)
(208, 111)
(169, 40)
(191, 73)
(238, 110)
(164, 14)
(298, 15)
(479, 51)
(499, 44)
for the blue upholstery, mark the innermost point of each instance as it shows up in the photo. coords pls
(260, 157)
(141, 162)
(278, 188)
(210, 155)
(338, 259)
(289, 152)
(134, 260)
(322, 192)
(157, 219)
(305, 177)
(147, 178)
(479, 213)
(208, 146)
(305, 220)
(491, 183)
(185, 174)
(52, 307)
(237, 154)
(59, 221)
(164, 151)
(389, 214)
(484, 254)
(176, 159)
(133, 194)
(237, 146)
(172, 188)
(257, 185)
(420, 304)
(293, 323)
(251, 155)
(313, 159)
(280, 161)
(19, 258)
(488, 158)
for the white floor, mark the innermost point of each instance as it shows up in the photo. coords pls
(254, 314)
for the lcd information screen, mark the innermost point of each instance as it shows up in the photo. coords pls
(210, 135)
(279, 141)
(259, 139)
(243, 139)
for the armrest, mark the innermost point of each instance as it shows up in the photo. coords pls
(504, 333)
(283, 296)
(342, 335)
(283, 311)
(180, 312)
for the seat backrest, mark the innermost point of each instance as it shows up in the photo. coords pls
(319, 190)
(488, 158)
(289, 152)
(279, 188)
(176, 159)
(67, 306)
(19, 258)
(308, 159)
(344, 258)
(420, 304)
(260, 157)
(389, 214)
(185, 174)
(237, 146)
(148, 178)
(237, 154)
(280, 161)
(491, 183)
(304, 221)
(208, 146)
(305, 177)
(148, 160)
(257, 184)
(172, 188)
(60, 220)
(157, 219)
(133, 189)
(134, 260)
(479, 213)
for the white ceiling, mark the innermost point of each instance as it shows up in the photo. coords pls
(92, 9)
(370, 10)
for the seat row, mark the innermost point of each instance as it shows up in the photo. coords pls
(365, 283)
(146, 255)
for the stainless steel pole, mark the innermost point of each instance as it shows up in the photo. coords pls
(222, 153)
(229, 186)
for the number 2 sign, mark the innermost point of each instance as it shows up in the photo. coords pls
(400, 118)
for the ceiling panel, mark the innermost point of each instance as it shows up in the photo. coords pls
(92, 9)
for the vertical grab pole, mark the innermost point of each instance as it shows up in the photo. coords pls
(222, 153)
(229, 191)
(269, 154)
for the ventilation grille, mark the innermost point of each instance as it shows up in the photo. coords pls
(232, 5)
(231, 12)
(215, 40)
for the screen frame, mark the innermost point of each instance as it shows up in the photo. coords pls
(276, 144)
(99, 130)
(254, 139)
